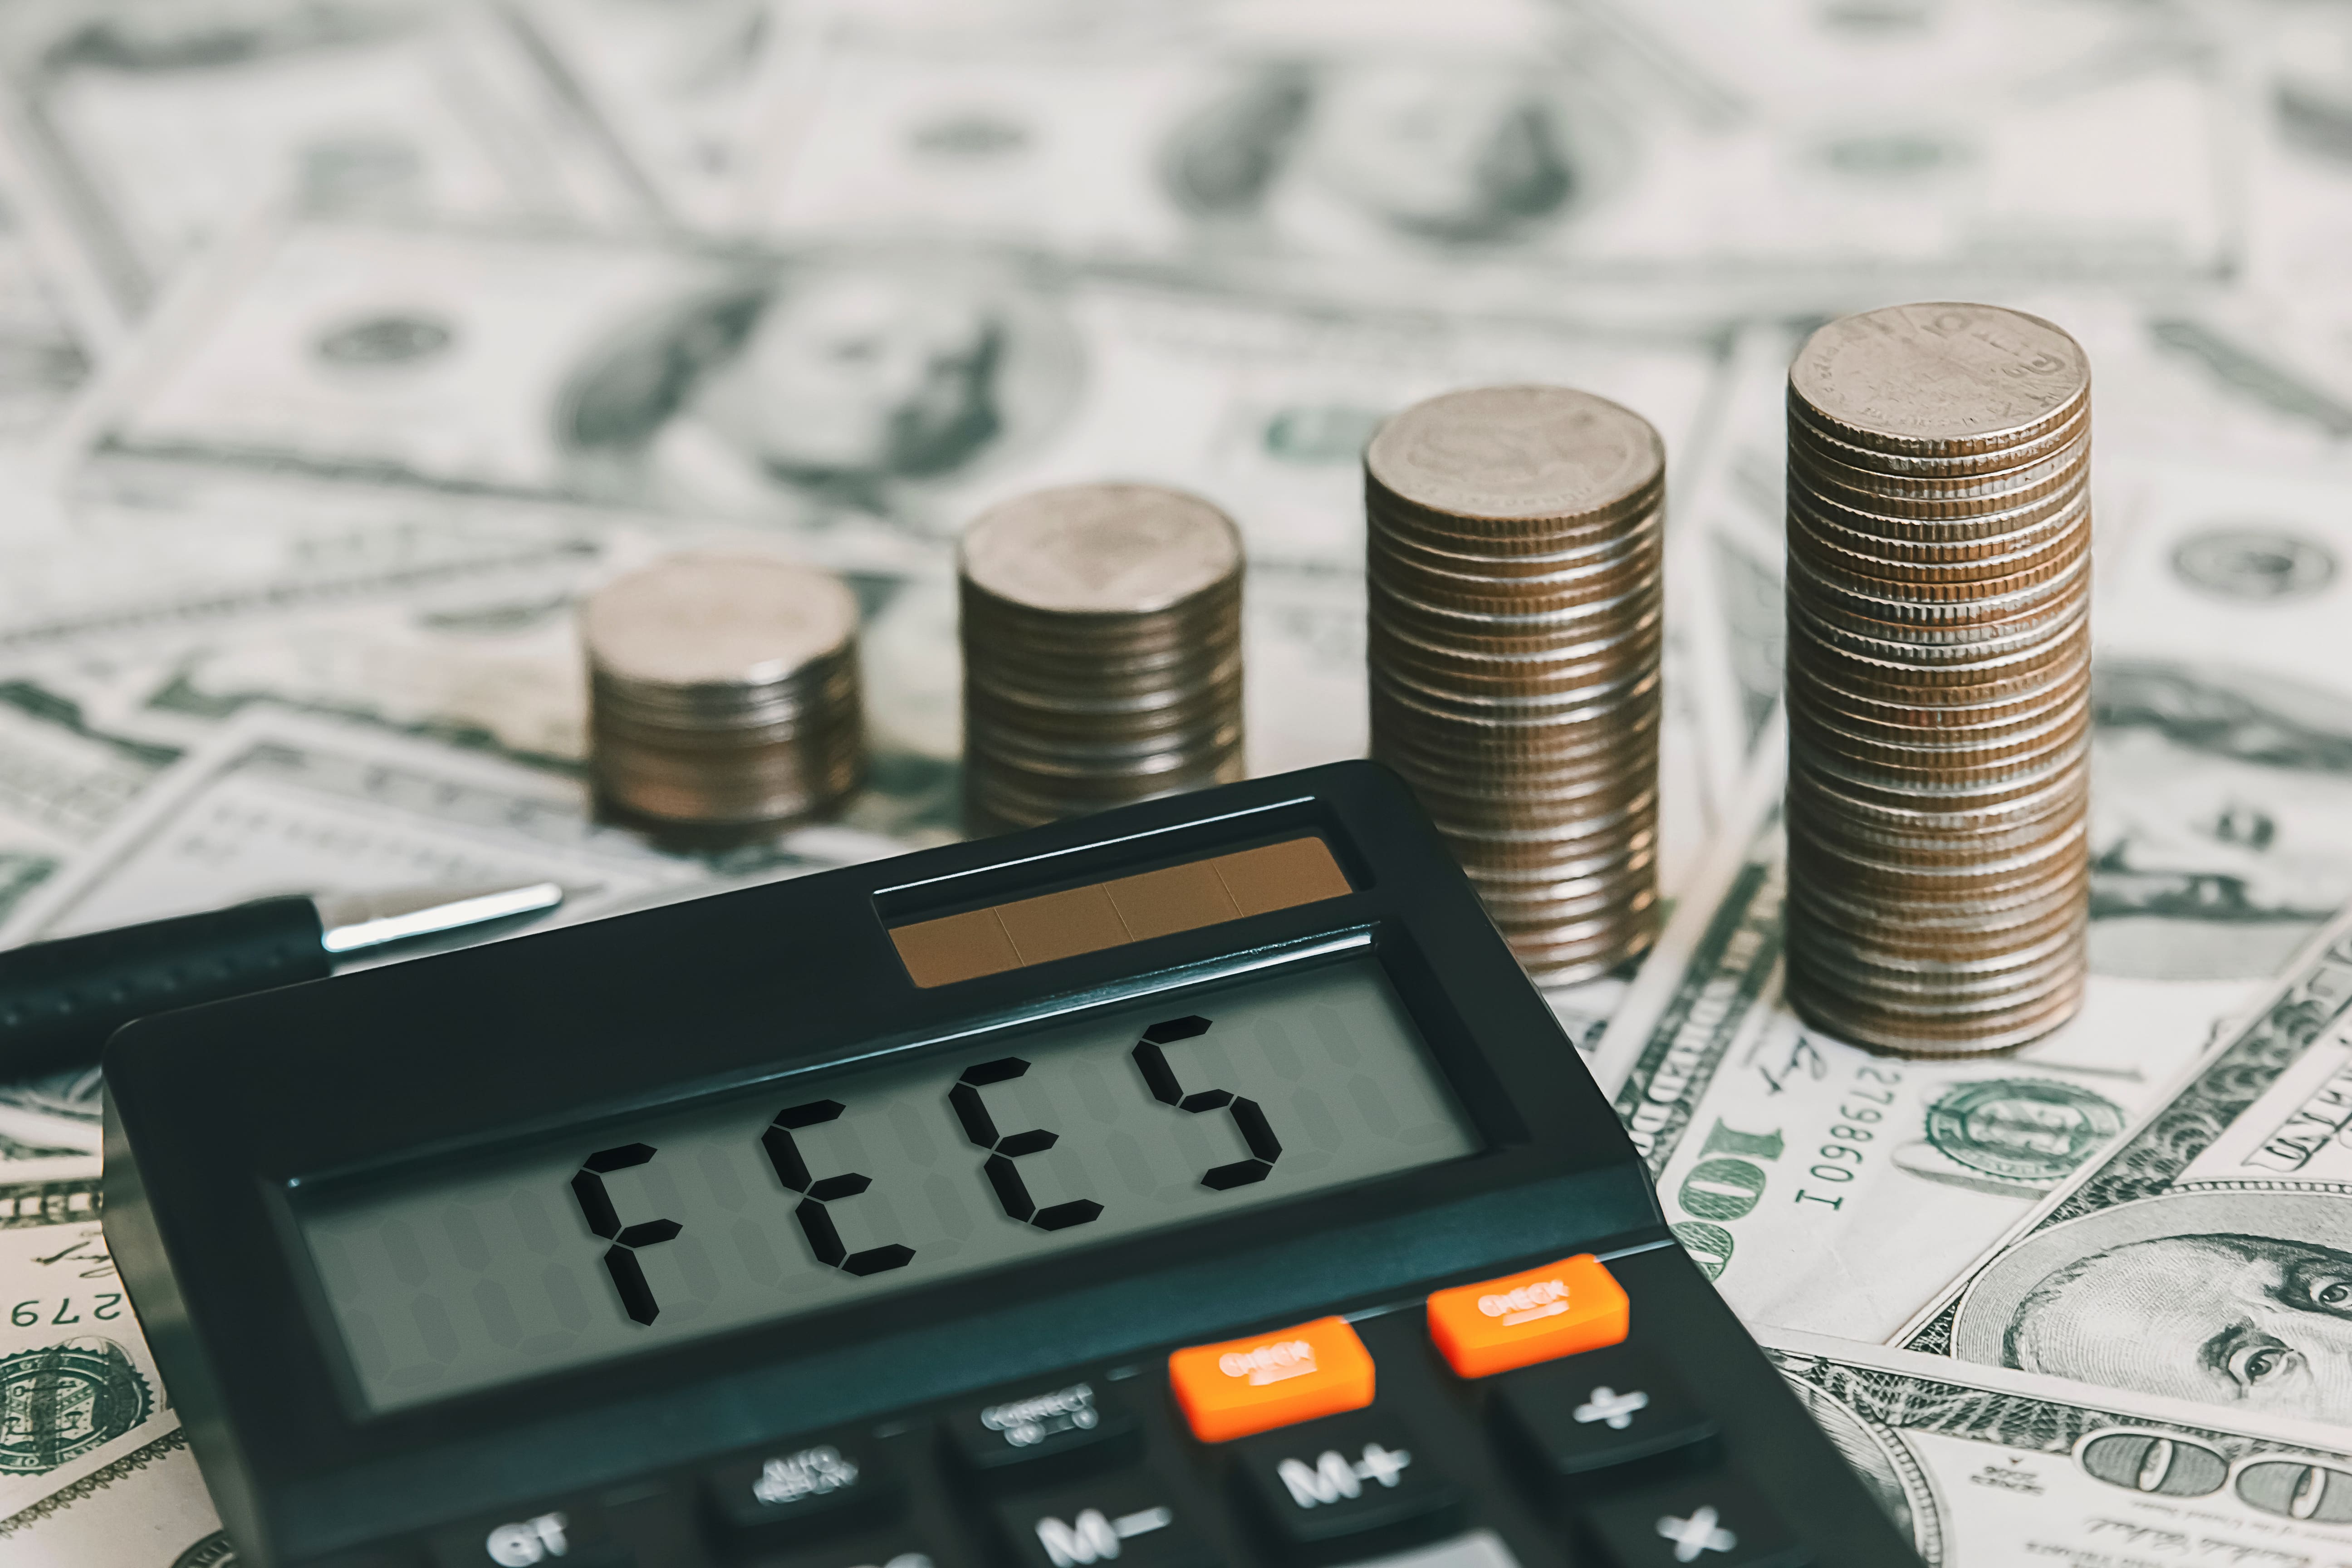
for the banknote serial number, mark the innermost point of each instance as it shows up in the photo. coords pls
(1735, 1167)
(103, 1308)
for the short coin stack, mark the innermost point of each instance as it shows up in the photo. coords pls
(1102, 656)
(723, 694)
(1938, 680)
(1514, 572)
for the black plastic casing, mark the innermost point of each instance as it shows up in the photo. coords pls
(220, 1116)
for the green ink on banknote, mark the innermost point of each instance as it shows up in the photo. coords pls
(59, 1402)
(2027, 1130)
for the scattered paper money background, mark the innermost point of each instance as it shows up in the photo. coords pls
(344, 344)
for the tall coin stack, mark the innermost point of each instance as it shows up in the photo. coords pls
(1514, 571)
(1938, 680)
(1102, 656)
(723, 694)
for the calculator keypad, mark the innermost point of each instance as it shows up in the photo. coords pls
(1273, 1379)
(1042, 1434)
(798, 1489)
(1363, 1482)
(576, 1535)
(1135, 1518)
(1595, 1415)
(1713, 1520)
(1536, 1315)
(1328, 1442)
(882, 1549)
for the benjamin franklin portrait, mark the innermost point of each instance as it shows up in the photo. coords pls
(2226, 1295)
(2220, 820)
(1447, 153)
(2244, 1319)
(819, 384)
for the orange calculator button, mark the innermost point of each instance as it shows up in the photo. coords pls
(1272, 1380)
(1558, 1309)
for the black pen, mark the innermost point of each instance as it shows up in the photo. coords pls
(60, 1000)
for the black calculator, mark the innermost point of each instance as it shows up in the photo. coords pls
(1201, 1183)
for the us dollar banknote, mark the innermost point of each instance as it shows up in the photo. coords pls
(1535, 140)
(1990, 1468)
(146, 1509)
(872, 394)
(2221, 839)
(2246, 430)
(857, 402)
(1826, 1188)
(78, 1385)
(2207, 1254)
(148, 133)
(276, 803)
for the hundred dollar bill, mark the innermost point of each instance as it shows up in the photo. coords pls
(2207, 1253)
(1837, 1191)
(861, 402)
(465, 643)
(1491, 144)
(153, 129)
(1990, 1468)
(2222, 629)
(1727, 554)
(1880, 138)
(1825, 1188)
(62, 782)
(51, 1127)
(134, 636)
(872, 394)
(146, 1509)
(146, 580)
(276, 804)
(471, 647)
(2180, 380)
(79, 1390)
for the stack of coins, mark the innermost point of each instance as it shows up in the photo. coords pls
(1514, 630)
(1938, 681)
(723, 693)
(1102, 658)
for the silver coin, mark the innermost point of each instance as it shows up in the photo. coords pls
(712, 620)
(1941, 379)
(1101, 634)
(1515, 453)
(1101, 549)
(723, 693)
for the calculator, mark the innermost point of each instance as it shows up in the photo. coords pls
(1198, 1182)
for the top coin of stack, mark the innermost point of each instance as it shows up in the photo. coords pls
(1938, 681)
(723, 693)
(1515, 579)
(1101, 651)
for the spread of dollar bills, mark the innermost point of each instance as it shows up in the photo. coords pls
(346, 344)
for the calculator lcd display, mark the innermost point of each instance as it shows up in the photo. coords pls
(849, 1184)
